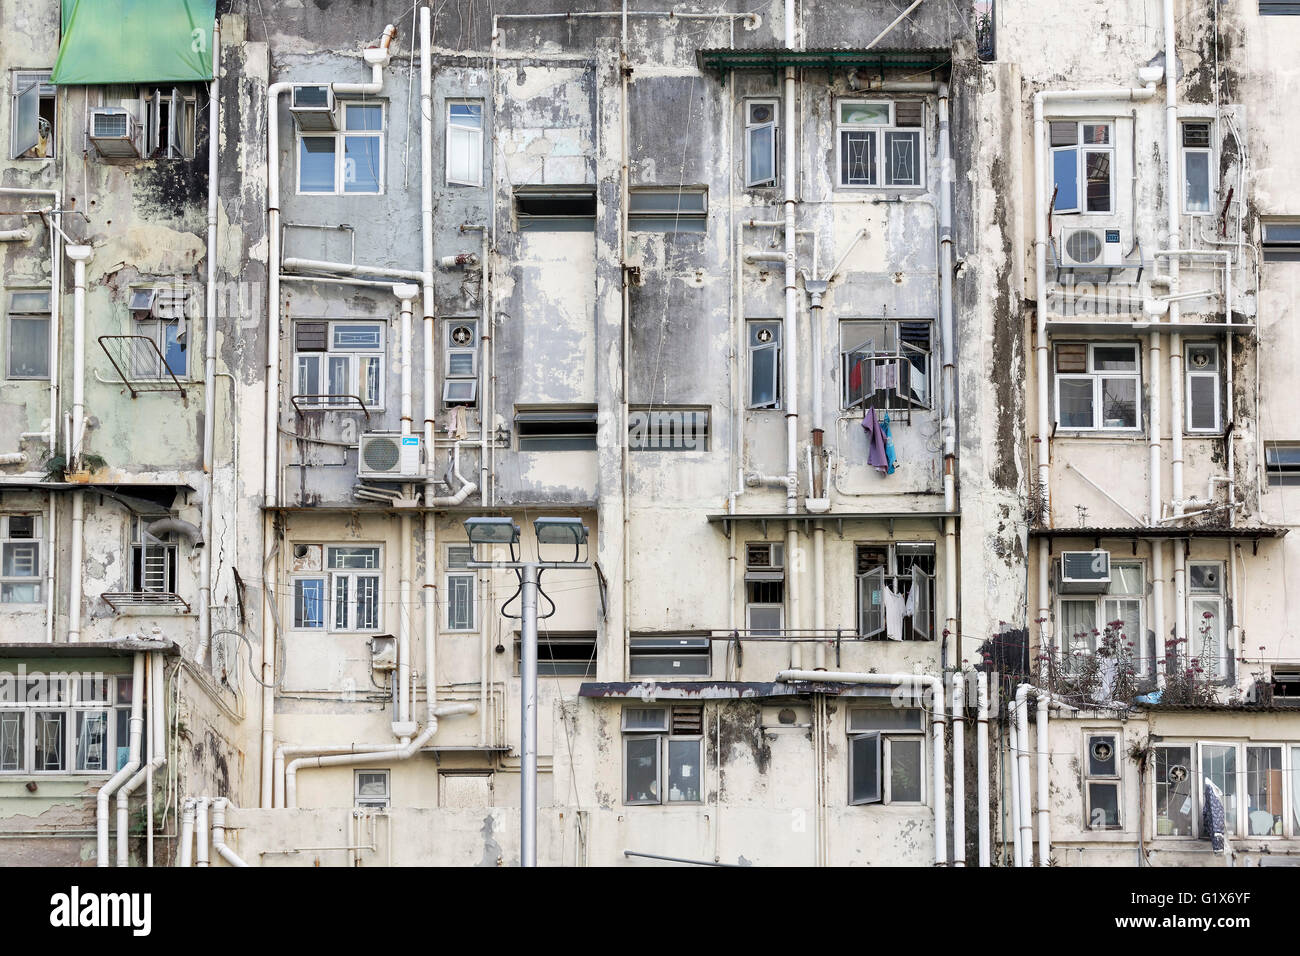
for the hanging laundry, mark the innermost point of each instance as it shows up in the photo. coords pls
(875, 437)
(890, 458)
(884, 375)
(914, 592)
(894, 613)
(456, 427)
(855, 378)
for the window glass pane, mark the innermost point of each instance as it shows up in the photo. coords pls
(1125, 578)
(464, 164)
(1102, 756)
(1096, 134)
(1103, 804)
(875, 114)
(367, 611)
(1282, 231)
(903, 159)
(365, 117)
(1127, 616)
(466, 114)
(21, 559)
(353, 557)
(51, 729)
(684, 771)
(460, 602)
(347, 337)
(905, 771)
(1114, 358)
(1206, 631)
(1065, 178)
(1196, 167)
(339, 370)
(341, 583)
(857, 158)
(641, 757)
(361, 172)
(308, 375)
(29, 347)
(1219, 764)
(1075, 406)
(1119, 403)
(11, 740)
(1097, 165)
(309, 602)
(864, 774)
(762, 376)
(27, 106)
(1173, 783)
(1264, 809)
(29, 302)
(1064, 133)
(460, 363)
(173, 353)
(316, 164)
(92, 740)
(762, 155)
(1295, 789)
(1078, 625)
(881, 718)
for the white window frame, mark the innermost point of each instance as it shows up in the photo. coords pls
(754, 327)
(1288, 807)
(459, 127)
(1195, 619)
(776, 559)
(884, 766)
(892, 351)
(176, 140)
(881, 133)
(1192, 791)
(22, 81)
(664, 735)
(325, 617)
(889, 573)
(370, 801)
(1185, 152)
(1081, 150)
(458, 575)
(351, 578)
(37, 577)
(1097, 378)
(355, 357)
(455, 380)
(340, 138)
(25, 314)
(1233, 820)
(751, 129)
(1103, 612)
(70, 705)
(1214, 376)
(1115, 779)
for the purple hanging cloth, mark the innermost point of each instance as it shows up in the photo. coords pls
(877, 457)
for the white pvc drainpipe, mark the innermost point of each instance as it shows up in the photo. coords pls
(157, 757)
(952, 638)
(132, 763)
(210, 354)
(376, 58)
(935, 686)
(403, 727)
(958, 771)
(201, 834)
(789, 346)
(79, 255)
(185, 855)
(1013, 755)
(982, 764)
(219, 833)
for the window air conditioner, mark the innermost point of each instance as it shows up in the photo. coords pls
(313, 108)
(1085, 572)
(1091, 247)
(113, 131)
(392, 457)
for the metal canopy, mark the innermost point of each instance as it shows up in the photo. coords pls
(806, 518)
(774, 59)
(1189, 531)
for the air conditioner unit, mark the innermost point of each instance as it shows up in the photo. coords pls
(313, 108)
(113, 131)
(1091, 247)
(1084, 572)
(391, 457)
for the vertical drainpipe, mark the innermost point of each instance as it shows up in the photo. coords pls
(402, 727)
(817, 482)
(982, 764)
(79, 255)
(132, 764)
(789, 340)
(951, 638)
(958, 770)
(1013, 758)
(210, 353)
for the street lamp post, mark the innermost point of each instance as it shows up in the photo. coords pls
(495, 530)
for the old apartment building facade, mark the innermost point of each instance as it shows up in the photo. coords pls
(915, 375)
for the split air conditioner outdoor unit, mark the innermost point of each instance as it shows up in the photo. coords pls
(113, 131)
(389, 457)
(313, 108)
(1084, 572)
(1091, 247)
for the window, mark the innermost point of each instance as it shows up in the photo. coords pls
(1085, 619)
(656, 428)
(668, 209)
(1098, 387)
(20, 559)
(1278, 7)
(460, 343)
(885, 364)
(1281, 240)
(1198, 165)
(896, 591)
(348, 161)
(32, 129)
(662, 750)
(562, 653)
(764, 588)
(669, 655)
(1206, 626)
(1101, 781)
(309, 603)
(1282, 462)
(464, 142)
(339, 363)
(170, 115)
(764, 364)
(1175, 807)
(1265, 809)
(1219, 766)
(355, 587)
(153, 560)
(886, 756)
(160, 313)
(880, 143)
(556, 430)
(460, 587)
(1082, 155)
(1202, 371)
(761, 152)
(29, 334)
(555, 208)
(370, 789)
(66, 725)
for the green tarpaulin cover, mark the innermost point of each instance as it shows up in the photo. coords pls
(135, 41)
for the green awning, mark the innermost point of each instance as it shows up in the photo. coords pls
(135, 41)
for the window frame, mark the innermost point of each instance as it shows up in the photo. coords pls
(456, 571)
(649, 423)
(880, 133)
(1192, 791)
(1218, 597)
(753, 329)
(140, 545)
(573, 666)
(664, 735)
(352, 576)
(686, 216)
(355, 358)
(1185, 153)
(71, 705)
(1288, 801)
(1101, 616)
(37, 578)
(1115, 779)
(584, 438)
(1215, 376)
(179, 139)
(751, 128)
(1283, 247)
(890, 570)
(1096, 378)
(450, 351)
(1277, 473)
(363, 802)
(476, 131)
(901, 355)
(12, 314)
(1081, 149)
(339, 138)
(886, 737)
(40, 80)
(772, 572)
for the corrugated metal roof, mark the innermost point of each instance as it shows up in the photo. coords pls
(725, 60)
(1276, 707)
(1187, 531)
